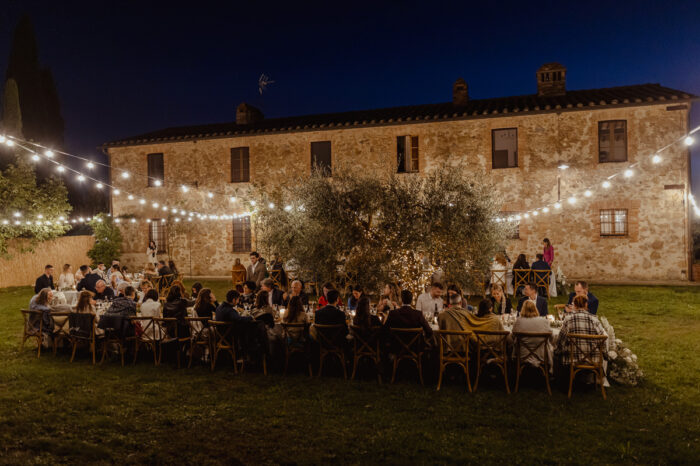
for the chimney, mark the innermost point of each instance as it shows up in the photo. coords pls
(460, 92)
(246, 114)
(551, 80)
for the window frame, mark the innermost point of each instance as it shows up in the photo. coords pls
(161, 233)
(613, 222)
(149, 165)
(411, 154)
(247, 243)
(329, 171)
(612, 136)
(244, 168)
(493, 148)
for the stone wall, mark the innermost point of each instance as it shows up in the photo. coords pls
(25, 262)
(655, 249)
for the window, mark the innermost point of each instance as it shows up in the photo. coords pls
(241, 234)
(514, 221)
(505, 148)
(613, 222)
(321, 157)
(612, 141)
(240, 165)
(407, 154)
(156, 232)
(155, 169)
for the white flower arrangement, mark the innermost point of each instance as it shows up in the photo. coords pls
(562, 285)
(622, 362)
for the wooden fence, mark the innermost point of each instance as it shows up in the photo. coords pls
(23, 267)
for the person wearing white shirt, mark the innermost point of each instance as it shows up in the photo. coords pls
(151, 308)
(66, 280)
(431, 302)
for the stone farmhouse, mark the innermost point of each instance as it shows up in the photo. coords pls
(637, 229)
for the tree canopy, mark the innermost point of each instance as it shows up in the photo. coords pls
(368, 229)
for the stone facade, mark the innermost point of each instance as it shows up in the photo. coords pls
(656, 247)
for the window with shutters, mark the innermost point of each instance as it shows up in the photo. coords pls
(241, 234)
(240, 165)
(321, 157)
(612, 141)
(155, 170)
(504, 148)
(613, 222)
(407, 154)
(157, 233)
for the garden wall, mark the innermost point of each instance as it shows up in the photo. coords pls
(26, 261)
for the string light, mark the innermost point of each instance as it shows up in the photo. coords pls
(545, 209)
(60, 169)
(557, 205)
(572, 200)
(271, 205)
(99, 185)
(588, 193)
(49, 153)
(157, 182)
(90, 165)
(656, 158)
(184, 188)
(629, 173)
(130, 197)
(606, 184)
(688, 141)
(116, 192)
(210, 195)
(81, 178)
(9, 143)
(125, 175)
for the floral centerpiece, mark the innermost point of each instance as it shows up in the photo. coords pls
(623, 367)
(562, 285)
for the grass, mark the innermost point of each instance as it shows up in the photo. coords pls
(52, 411)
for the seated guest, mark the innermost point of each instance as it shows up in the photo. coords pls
(454, 289)
(274, 295)
(363, 317)
(42, 302)
(79, 275)
(578, 321)
(116, 271)
(163, 269)
(66, 280)
(407, 317)
(86, 302)
(103, 292)
(262, 310)
(484, 319)
(455, 318)
(297, 290)
(390, 299)
(114, 282)
(581, 289)
(110, 269)
(323, 299)
(530, 292)
(171, 266)
(356, 294)
(206, 304)
(176, 306)
(45, 280)
(226, 312)
(151, 308)
(89, 280)
(100, 270)
(183, 292)
(330, 314)
(530, 321)
(144, 287)
(500, 302)
(196, 288)
(149, 270)
(248, 296)
(295, 315)
(430, 303)
(122, 307)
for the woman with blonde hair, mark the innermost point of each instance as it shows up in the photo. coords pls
(66, 281)
(499, 299)
(390, 299)
(530, 321)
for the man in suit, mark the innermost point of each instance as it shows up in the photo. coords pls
(330, 314)
(581, 289)
(226, 312)
(89, 280)
(530, 292)
(163, 269)
(407, 317)
(45, 280)
(536, 274)
(274, 295)
(256, 270)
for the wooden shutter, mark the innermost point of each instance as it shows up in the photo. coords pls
(414, 154)
(612, 141)
(241, 235)
(240, 165)
(321, 157)
(155, 169)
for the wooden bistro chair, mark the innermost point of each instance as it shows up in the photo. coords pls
(33, 328)
(499, 277)
(491, 349)
(408, 344)
(222, 339)
(557, 308)
(591, 349)
(331, 339)
(199, 335)
(81, 329)
(148, 337)
(114, 337)
(276, 276)
(296, 342)
(521, 277)
(167, 330)
(542, 278)
(62, 333)
(366, 344)
(454, 349)
(532, 342)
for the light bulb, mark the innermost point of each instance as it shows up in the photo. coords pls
(526, 215)
(99, 185)
(165, 208)
(588, 193)
(232, 199)
(557, 205)
(656, 158)
(130, 197)
(90, 165)
(48, 153)
(177, 219)
(133, 220)
(2, 138)
(688, 141)
(39, 216)
(81, 178)
(252, 203)
(17, 214)
(271, 205)
(628, 173)
(9, 143)
(60, 169)
(142, 201)
(545, 210)
(157, 182)
(606, 184)
(287, 208)
(35, 158)
(535, 213)
(155, 205)
(184, 188)
(572, 200)
(125, 175)
(116, 192)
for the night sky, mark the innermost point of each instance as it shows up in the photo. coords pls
(124, 68)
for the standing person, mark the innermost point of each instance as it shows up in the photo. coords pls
(431, 303)
(66, 280)
(44, 280)
(548, 252)
(256, 270)
(238, 272)
(151, 253)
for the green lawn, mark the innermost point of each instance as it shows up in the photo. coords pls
(52, 411)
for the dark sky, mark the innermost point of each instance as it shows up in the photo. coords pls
(124, 68)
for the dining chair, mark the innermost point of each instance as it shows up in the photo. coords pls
(589, 350)
(533, 343)
(454, 349)
(491, 349)
(366, 344)
(407, 344)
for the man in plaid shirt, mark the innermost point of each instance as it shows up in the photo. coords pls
(582, 322)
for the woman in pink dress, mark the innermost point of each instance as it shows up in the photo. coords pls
(548, 251)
